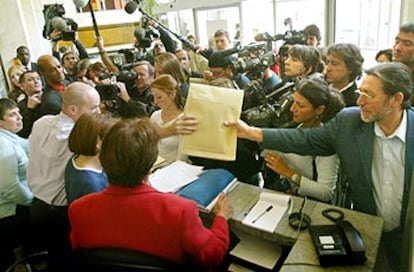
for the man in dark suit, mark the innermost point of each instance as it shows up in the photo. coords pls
(52, 71)
(374, 143)
(23, 54)
(343, 68)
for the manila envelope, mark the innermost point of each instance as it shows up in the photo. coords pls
(212, 106)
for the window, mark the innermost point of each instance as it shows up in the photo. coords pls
(373, 26)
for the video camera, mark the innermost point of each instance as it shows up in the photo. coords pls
(256, 64)
(109, 92)
(268, 108)
(54, 19)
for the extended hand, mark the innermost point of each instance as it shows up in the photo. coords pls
(277, 164)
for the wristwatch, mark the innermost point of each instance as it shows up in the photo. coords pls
(295, 179)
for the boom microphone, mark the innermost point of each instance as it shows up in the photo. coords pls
(130, 7)
(80, 3)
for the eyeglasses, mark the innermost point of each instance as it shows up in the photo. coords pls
(364, 95)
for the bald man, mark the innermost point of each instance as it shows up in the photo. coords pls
(49, 154)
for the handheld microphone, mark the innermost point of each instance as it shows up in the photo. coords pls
(131, 7)
(80, 3)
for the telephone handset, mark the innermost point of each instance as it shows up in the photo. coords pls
(355, 245)
(339, 244)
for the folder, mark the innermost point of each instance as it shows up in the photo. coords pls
(206, 189)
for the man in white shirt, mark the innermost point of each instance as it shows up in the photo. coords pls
(49, 153)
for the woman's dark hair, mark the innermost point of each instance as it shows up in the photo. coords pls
(395, 77)
(87, 130)
(386, 52)
(351, 55)
(168, 84)
(5, 105)
(318, 93)
(312, 30)
(309, 56)
(129, 151)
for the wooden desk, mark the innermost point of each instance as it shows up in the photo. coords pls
(302, 256)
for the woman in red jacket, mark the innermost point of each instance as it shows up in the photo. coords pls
(131, 214)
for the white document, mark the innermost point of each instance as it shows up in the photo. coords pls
(174, 176)
(268, 211)
(257, 251)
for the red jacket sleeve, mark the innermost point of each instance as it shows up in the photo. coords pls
(207, 246)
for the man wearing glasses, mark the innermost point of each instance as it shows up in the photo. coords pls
(374, 143)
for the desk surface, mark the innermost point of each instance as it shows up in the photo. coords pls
(302, 256)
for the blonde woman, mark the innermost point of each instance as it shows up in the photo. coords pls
(15, 92)
(167, 96)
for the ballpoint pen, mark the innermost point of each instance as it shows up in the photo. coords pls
(262, 213)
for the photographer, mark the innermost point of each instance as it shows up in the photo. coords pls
(138, 101)
(314, 176)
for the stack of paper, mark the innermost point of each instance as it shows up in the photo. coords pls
(174, 176)
(268, 211)
(257, 251)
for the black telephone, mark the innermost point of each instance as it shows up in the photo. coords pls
(339, 244)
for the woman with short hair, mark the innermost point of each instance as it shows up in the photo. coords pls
(84, 173)
(131, 214)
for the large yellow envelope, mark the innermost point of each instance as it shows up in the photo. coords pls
(212, 106)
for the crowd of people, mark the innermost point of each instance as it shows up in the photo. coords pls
(77, 140)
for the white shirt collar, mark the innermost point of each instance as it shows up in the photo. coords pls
(400, 132)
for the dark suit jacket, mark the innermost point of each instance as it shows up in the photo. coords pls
(352, 140)
(51, 102)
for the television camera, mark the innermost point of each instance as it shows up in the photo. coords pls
(54, 19)
(109, 93)
(268, 108)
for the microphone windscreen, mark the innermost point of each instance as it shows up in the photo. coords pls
(130, 7)
(59, 23)
(262, 37)
(139, 33)
(80, 3)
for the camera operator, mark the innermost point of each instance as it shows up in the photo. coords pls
(138, 100)
(312, 35)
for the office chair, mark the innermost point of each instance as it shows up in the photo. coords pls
(119, 260)
(37, 261)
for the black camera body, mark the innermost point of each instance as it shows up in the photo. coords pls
(268, 108)
(110, 92)
(259, 63)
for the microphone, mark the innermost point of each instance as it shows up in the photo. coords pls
(59, 23)
(263, 37)
(130, 7)
(80, 3)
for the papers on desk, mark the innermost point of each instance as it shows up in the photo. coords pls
(268, 211)
(174, 176)
(257, 251)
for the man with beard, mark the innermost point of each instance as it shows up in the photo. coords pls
(374, 143)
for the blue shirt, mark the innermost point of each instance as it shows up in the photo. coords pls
(82, 181)
(13, 164)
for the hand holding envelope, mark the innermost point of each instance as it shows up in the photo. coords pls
(212, 106)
